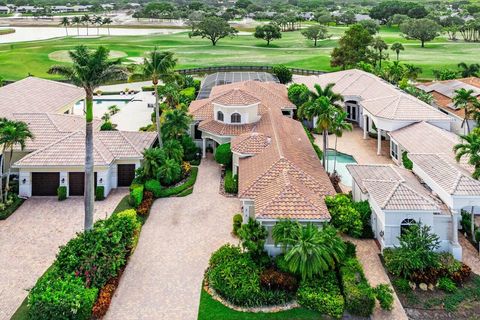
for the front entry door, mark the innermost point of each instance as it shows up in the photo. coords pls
(352, 112)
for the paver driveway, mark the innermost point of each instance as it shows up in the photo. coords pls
(29, 241)
(164, 276)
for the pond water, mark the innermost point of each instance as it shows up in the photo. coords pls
(43, 33)
(342, 160)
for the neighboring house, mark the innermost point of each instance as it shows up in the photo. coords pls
(28, 9)
(4, 10)
(279, 173)
(56, 155)
(443, 93)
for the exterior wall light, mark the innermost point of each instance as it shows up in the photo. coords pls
(382, 233)
(101, 180)
(24, 181)
(63, 180)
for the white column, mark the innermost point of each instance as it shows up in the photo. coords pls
(379, 141)
(365, 122)
(454, 228)
(204, 147)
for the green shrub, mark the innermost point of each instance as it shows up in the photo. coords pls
(136, 194)
(447, 285)
(231, 182)
(196, 84)
(363, 208)
(283, 74)
(236, 278)
(5, 212)
(237, 223)
(350, 250)
(190, 149)
(359, 296)
(62, 193)
(97, 255)
(56, 297)
(323, 295)
(107, 126)
(169, 172)
(402, 285)
(344, 216)
(384, 295)
(407, 163)
(147, 88)
(167, 192)
(223, 154)
(298, 94)
(253, 235)
(187, 95)
(153, 186)
(100, 193)
(281, 263)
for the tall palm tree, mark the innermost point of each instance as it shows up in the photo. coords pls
(309, 250)
(152, 160)
(397, 47)
(89, 70)
(339, 125)
(469, 70)
(12, 133)
(107, 21)
(173, 150)
(77, 21)
(157, 66)
(97, 20)
(464, 99)
(65, 22)
(328, 92)
(470, 147)
(324, 112)
(175, 123)
(86, 20)
(379, 45)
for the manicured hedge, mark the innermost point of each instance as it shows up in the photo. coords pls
(168, 192)
(62, 193)
(359, 296)
(231, 182)
(322, 294)
(407, 163)
(153, 186)
(136, 194)
(100, 193)
(7, 212)
(223, 154)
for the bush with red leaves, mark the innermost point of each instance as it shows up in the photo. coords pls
(146, 204)
(277, 280)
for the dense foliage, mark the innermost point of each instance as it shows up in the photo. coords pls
(231, 182)
(253, 235)
(223, 154)
(344, 216)
(283, 74)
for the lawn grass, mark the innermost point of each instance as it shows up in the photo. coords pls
(6, 31)
(211, 309)
(123, 205)
(293, 50)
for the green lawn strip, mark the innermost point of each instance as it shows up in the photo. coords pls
(211, 309)
(22, 311)
(10, 210)
(123, 205)
(20, 59)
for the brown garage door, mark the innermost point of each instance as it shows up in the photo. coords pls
(125, 174)
(45, 183)
(76, 183)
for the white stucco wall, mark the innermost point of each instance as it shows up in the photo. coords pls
(249, 114)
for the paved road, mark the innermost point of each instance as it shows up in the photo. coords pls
(164, 276)
(29, 241)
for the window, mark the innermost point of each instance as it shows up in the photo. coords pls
(220, 116)
(198, 133)
(405, 225)
(393, 150)
(236, 118)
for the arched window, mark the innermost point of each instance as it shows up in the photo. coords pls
(405, 225)
(236, 118)
(220, 116)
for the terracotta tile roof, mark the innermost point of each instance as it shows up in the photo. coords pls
(236, 97)
(250, 143)
(225, 129)
(423, 137)
(37, 95)
(446, 174)
(377, 96)
(48, 127)
(394, 188)
(70, 150)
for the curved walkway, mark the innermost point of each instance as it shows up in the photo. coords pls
(29, 241)
(164, 276)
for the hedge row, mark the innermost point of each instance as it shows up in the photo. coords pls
(231, 182)
(359, 296)
(7, 212)
(168, 192)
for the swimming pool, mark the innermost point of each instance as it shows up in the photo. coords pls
(100, 106)
(341, 162)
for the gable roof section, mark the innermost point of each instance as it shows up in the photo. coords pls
(37, 95)
(250, 143)
(236, 97)
(377, 96)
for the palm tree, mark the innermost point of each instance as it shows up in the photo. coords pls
(113, 109)
(328, 92)
(90, 70)
(170, 94)
(471, 70)
(463, 99)
(379, 45)
(169, 172)
(107, 21)
(324, 112)
(86, 19)
(397, 47)
(77, 21)
(157, 66)
(470, 147)
(106, 117)
(173, 150)
(309, 250)
(175, 123)
(65, 22)
(339, 125)
(97, 20)
(152, 160)
(12, 133)
(412, 71)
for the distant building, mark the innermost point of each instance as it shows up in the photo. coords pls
(4, 10)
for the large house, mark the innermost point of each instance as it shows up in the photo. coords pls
(443, 93)
(56, 155)
(279, 173)
(437, 188)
